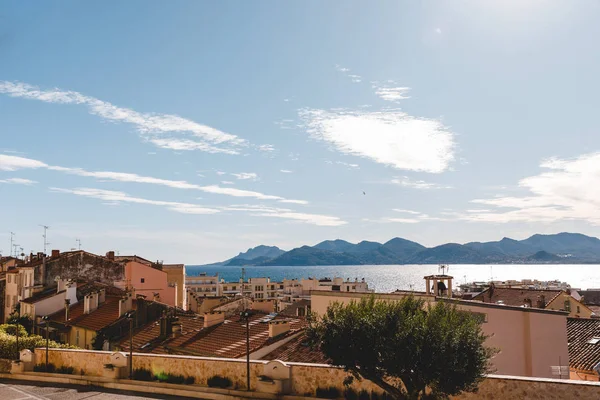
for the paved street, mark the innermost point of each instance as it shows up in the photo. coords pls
(21, 390)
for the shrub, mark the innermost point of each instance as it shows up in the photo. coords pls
(328, 393)
(189, 380)
(42, 368)
(65, 370)
(168, 378)
(364, 395)
(142, 374)
(219, 382)
(8, 342)
(11, 329)
(350, 394)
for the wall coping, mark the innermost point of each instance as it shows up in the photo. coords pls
(544, 380)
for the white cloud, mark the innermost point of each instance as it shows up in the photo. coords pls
(227, 183)
(390, 137)
(116, 197)
(406, 211)
(120, 197)
(417, 184)
(285, 171)
(13, 163)
(18, 181)
(355, 78)
(568, 190)
(246, 175)
(392, 93)
(341, 69)
(438, 30)
(160, 129)
(267, 148)
(404, 220)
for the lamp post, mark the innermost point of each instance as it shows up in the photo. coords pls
(245, 315)
(129, 316)
(45, 318)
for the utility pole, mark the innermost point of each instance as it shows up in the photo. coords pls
(45, 236)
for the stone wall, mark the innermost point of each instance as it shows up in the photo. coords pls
(306, 378)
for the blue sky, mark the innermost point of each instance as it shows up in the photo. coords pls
(189, 131)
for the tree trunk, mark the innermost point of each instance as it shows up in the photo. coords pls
(390, 389)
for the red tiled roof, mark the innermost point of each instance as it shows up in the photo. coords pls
(516, 296)
(583, 356)
(106, 314)
(228, 339)
(298, 350)
(590, 297)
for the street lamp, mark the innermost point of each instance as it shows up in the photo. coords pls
(245, 316)
(45, 318)
(129, 315)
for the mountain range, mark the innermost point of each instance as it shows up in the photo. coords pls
(561, 248)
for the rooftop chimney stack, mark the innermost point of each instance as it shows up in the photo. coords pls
(110, 255)
(67, 303)
(55, 253)
(213, 318)
(278, 327)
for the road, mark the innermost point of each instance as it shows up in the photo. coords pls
(21, 390)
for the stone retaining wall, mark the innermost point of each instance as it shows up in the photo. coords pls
(306, 378)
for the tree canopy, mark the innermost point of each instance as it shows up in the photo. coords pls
(407, 347)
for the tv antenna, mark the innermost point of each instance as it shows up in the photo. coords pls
(15, 247)
(45, 236)
(12, 238)
(78, 243)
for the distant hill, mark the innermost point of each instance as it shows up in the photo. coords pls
(558, 248)
(543, 256)
(306, 255)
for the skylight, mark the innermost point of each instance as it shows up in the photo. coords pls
(594, 340)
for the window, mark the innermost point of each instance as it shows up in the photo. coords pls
(233, 288)
(77, 337)
(347, 288)
(259, 288)
(8, 278)
(143, 280)
(568, 305)
(578, 310)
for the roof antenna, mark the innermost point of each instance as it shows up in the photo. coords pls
(45, 237)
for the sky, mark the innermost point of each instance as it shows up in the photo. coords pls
(190, 131)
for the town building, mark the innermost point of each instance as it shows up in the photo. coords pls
(530, 340)
(584, 348)
(535, 298)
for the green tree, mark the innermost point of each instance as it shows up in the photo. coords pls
(405, 346)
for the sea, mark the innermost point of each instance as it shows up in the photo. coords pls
(388, 278)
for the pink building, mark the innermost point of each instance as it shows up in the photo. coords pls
(150, 282)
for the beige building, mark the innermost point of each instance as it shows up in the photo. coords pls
(530, 340)
(20, 284)
(176, 277)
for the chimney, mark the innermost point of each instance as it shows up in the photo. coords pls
(86, 303)
(61, 285)
(55, 253)
(125, 304)
(101, 296)
(541, 301)
(213, 318)
(177, 328)
(110, 255)
(278, 327)
(528, 302)
(67, 303)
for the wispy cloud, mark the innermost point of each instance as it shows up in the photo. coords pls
(389, 137)
(345, 164)
(267, 148)
(18, 181)
(353, 77)
(120, 197)
(567, 190)
(112, 198)
(392, 93)
(406, 211)
(417, 184)
(246, 175)
(286, 171)
(163, 130)
(227, 183)
(12, 163)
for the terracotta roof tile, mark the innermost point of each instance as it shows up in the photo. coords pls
(516, 296)
(106, 314)
(298, 350)
(584, 352)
